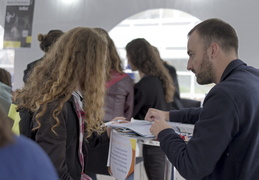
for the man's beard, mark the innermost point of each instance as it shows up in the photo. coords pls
(205, 74)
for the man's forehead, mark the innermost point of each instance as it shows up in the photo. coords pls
(194, 42)
(194, 36)
(195, 39)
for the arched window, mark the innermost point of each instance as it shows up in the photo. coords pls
(166, 29)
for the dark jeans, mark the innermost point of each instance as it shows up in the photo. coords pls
(97, 160)
(154, 162)
(92, 175)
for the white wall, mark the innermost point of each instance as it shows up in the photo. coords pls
(49, 14)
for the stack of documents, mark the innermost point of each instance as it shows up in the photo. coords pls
(141, 127)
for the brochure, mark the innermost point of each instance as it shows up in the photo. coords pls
(122, 155)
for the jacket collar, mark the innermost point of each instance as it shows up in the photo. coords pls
(233, 65)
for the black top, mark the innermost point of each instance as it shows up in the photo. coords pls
(28, 70)
(148, 93)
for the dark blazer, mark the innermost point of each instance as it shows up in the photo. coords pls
(63, 147)
(29, 68)
(225, 143)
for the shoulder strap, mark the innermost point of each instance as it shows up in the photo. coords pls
(115, 77)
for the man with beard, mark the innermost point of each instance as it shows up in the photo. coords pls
(225, 142)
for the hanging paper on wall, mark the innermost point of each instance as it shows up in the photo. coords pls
(18, 23)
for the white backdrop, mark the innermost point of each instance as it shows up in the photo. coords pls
(49, 14)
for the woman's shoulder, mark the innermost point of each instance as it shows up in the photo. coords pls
(126, 79)
(146, 80)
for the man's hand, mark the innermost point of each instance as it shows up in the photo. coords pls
(159, 118)
(155, 114)
(158, 125)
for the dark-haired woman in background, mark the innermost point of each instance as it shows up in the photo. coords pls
(46, 41)
(154, 90)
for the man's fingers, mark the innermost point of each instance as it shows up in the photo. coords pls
(151, 115)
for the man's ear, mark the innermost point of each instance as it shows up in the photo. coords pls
(214, 48)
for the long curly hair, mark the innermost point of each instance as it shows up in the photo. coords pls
(76, 61)
(143, 56)
(113, 59)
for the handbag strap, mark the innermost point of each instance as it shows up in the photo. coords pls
(115, 77)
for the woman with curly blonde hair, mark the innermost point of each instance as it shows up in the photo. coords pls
(65, 93)
(154, 90)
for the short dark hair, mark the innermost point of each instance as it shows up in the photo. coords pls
(46, 40)
(219, 31)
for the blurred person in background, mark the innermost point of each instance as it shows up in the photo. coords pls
(5, 90)
(21, 158)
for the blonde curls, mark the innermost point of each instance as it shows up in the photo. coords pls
(76, 61)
